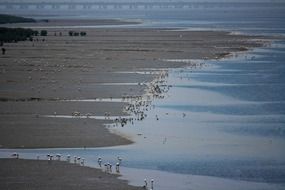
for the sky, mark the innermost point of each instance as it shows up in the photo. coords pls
(1, 1)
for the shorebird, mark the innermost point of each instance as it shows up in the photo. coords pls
(88, 115)
(68, 158)
(100, 161)
(82, 161)
(151, 185)
(49, 157)
(145, 184)
(15, 155)
(119, 159)
(78, 159)
(110, 167)
(106, 167)
(76, 113)
(117, 167)
(156, 116)
(58, 156)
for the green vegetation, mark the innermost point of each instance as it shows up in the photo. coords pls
(15, 34)
(5, 19)
(72, 33)
(36, 33)
(44, 33)
(8, 35)
(82, 33)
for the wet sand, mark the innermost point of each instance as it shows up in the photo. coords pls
(36, 76)
(31, 174)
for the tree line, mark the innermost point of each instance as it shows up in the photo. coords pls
(15, 34)
(8, 35)
(4, 19)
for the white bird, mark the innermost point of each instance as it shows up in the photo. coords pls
(49, 157)
(110, 167)
(15, 155)
(106, 167)
(58, 156)
(100, 161)
(145, 184)
(118, 167)
(68, 158)
(78, 159)
(151, 185)
(119, 159)
(82, 161)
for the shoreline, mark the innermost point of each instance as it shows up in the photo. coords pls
(41, 174)
(75, 68)
(52, 76)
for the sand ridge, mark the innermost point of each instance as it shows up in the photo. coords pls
(107, 63)
(30, 174)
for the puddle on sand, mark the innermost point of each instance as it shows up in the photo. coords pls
(86, 117)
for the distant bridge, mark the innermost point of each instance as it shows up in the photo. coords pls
(109, 5)
(98, 5)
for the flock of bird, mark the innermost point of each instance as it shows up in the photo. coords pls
(81, 161)
(145, 186)
(108, 166)
(137, 107)
(78, 160)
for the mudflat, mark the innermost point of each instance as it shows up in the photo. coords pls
(51, 75)
(45, 175)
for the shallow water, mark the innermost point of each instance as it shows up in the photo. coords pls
(220, 126)
(233, 125)
(215, 124)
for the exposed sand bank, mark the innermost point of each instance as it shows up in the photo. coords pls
(36, 75)
(31, 174)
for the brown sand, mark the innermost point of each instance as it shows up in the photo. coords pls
(36, 76)
(64, 67)
(21, 174)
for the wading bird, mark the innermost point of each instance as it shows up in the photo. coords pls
(145, 184)
(100, 161)
(151, 185)
(15, 155)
